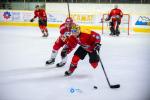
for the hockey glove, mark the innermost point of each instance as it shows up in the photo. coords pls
(32, 20)
(67, 34)
(64, 51)
(97, 47)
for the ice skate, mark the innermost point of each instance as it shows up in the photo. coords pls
(50, 62)
(68, 73)
(61, 64)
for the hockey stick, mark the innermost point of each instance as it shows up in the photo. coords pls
(68, 8)
(110, 85)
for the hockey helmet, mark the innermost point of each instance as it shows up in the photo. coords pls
(69, 20)
(37, 6)
(75, 28)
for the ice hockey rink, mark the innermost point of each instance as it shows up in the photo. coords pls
(24, 75)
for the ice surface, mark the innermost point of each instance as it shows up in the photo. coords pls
(24, 76)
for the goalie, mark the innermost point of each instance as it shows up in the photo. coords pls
(115, 16)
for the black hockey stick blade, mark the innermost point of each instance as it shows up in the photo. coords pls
(115, 86)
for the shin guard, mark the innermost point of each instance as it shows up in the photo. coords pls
(74, 63)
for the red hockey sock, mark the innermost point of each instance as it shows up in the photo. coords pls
(41, 27)
(45, 29)
(75, 60)
(94, 64)
(72, 68)
(74, 63)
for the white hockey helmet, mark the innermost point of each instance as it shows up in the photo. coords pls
(69, 20)
(116, 6)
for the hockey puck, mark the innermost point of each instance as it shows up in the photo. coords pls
(95, 87)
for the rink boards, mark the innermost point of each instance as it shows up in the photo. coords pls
(88, 18)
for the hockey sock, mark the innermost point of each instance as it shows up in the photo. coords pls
(64, 59)
(41, 27)
(54, 54)
(45, 29)
(74, 63)
(72, 68)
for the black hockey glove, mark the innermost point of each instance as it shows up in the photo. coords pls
(97, 47)
(64, 51)
(32, 20)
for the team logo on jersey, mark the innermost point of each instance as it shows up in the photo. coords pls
(143, 20)
(6, 15)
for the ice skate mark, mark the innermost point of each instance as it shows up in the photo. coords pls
(28, 70)
(79, 76)
(30, 75)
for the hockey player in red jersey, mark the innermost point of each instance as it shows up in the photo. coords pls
(115, 16)
(42, 19)
(64, 38)
(89, 42)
